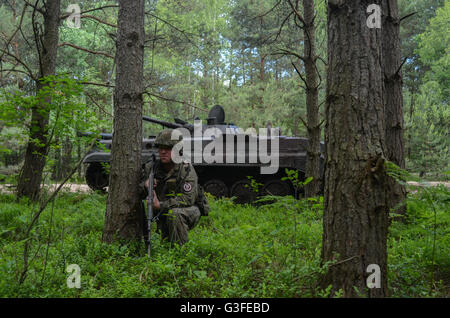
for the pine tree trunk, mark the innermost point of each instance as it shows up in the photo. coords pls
(79, 158)
(66, 166)
(37, 149)
(312, 106)
(356, 212)
(394, 100)
(123, 219)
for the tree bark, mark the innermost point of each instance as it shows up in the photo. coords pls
(394, 100)
(66, 166)
(37, 149)
(355, 218)
(312, 105)
(123, 220)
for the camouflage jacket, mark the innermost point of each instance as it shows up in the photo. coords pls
(174, 189)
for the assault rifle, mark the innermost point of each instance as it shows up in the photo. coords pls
(150, 200)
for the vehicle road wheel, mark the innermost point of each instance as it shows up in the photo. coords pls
(277, 187)
(216, 187)
(243, 192)
(96, 176)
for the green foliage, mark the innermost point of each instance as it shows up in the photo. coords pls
(293, 177)
(427, 104)
(428, 131)
(237, 251)
(254, 185)
(434, 52)
(234, 252)
(411, 28)
(419, 246)
(201, 53)
(67, 114)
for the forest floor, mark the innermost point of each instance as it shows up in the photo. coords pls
(271, 250)
(71, 187)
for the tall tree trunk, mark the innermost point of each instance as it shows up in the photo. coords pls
(66, 166)
(394, 100)
(312, 106)
(356, 212)
(37, 149)
(123, 220)
(15, 44)
(231, 74)
(412, 93)
(79, 158)
(262, 68)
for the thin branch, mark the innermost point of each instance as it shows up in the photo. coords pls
(407, 16)
(400, 67)
(97, 84)
(323, 102)
(318, 74)
(298, 15)
(15, 32)
(85, 50)
(4, 35)
(87, 16)
(35, 7)
(30, 73)
(13, 70)
(99, 106)
(282, 25)
(90, 10)
(345, 260)
(175, 101)
(289, 52)
(300, 74)
(25, 39)
(304, 122)
(266, 13)
(305, 25)
(177, 29)
(321, 59)
(321, 123)
(101, 8)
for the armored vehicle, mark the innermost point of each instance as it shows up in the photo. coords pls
(229, 162)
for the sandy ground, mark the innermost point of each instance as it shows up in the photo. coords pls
(430, 183)
(71, 187)
(83, 188)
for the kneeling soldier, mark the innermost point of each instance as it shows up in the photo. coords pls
(175, 193)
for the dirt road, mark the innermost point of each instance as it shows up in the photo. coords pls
(430, 184)
(71, 187)
(83, 188)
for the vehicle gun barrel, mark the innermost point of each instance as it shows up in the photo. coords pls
(161, 122)
(166, 123)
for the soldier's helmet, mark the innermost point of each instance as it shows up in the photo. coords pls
(164, 139)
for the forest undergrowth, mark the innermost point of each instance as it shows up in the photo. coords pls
(270, 250)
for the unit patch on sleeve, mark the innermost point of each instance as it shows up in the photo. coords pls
(187, 187)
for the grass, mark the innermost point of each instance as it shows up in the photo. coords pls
(237, 251)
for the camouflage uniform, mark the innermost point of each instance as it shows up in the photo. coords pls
(176, 191)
